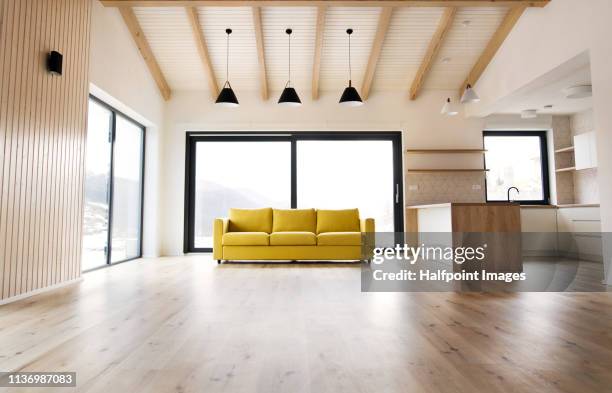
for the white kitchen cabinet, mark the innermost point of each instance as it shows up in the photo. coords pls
(585, 151)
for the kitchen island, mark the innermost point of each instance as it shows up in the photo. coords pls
(497, 226)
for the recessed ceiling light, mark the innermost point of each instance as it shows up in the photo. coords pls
(529, 114)
(446, 60)
(548, 106)
(466, 23)
(580, 91)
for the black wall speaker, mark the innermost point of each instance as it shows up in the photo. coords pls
(54, 63)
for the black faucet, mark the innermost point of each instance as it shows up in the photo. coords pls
(509, 189)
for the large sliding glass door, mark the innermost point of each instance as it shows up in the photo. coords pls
(347, 173)
(231, 173)
(294, 170)
(112, 223)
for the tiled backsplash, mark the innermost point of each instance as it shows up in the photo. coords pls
(426, 188)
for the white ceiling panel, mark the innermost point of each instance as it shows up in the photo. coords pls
(410, 31)
(463, 45)
(334, 60)
(243, 63)
(171, 40)
(302, 21)
(406, 42)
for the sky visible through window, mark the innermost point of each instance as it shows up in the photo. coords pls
(514, 161)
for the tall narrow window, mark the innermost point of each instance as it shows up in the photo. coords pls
(517, 159)
(127, 190)
(97, 186)
(113, 187)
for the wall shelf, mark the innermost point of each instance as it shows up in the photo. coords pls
(446, 151)
(565, 150)
(442, 170)
(571, 168)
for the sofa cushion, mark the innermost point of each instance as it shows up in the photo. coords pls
(338, 220)
(339, 239)
(250, 220)
(293, 239)
(294, 220)
(246, 239)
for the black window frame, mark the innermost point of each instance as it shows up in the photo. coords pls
(542, 135)
(112, 135)
(193, 137)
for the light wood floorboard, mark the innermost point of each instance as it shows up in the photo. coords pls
(188, 325)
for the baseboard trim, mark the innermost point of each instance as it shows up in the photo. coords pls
(40, 290)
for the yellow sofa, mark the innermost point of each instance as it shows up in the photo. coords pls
(292, 234)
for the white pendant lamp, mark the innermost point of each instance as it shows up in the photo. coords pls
(350, 96)
(226, 97)
(469, 95)
(289, 97)
(449, 109)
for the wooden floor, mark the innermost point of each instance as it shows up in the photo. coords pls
(188, 325)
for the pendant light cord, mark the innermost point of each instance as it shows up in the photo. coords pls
(289, 77)
(227, 60)
(349, 56)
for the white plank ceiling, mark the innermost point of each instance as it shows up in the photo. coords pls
(169, 35)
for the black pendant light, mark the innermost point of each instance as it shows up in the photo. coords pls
(226, 96)
(289, 97)
(350, 96)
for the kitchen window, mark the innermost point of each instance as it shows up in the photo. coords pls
(516, 159)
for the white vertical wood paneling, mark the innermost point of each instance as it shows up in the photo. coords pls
(42, 140)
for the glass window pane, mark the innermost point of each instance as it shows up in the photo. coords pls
(97, 177)
(238, 174)
(127, 187)
(514, 161)
(336, 175)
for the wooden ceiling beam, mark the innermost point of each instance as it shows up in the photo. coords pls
(335, 3)
(381, 31)
(316, 64)
(194, 22)
(145, 50)
(263, 78)
(446, 21)
(494, 44)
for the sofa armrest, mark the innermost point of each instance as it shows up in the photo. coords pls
(220, 226)
(368, 238)
(367, 225)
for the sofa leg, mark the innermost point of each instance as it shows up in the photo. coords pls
(218, 261)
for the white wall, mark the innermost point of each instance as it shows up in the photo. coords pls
(542, 40)
(119, 76)
(420, 121)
